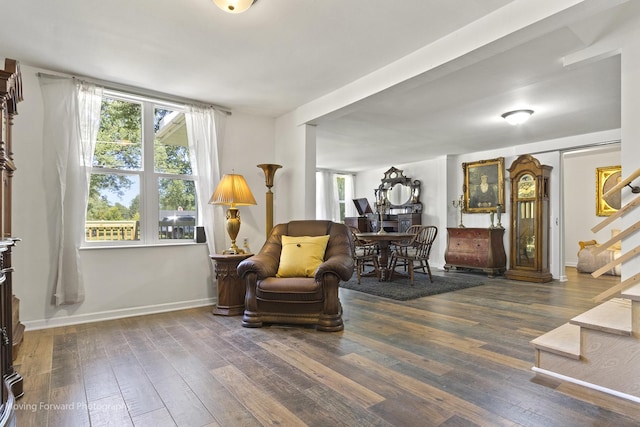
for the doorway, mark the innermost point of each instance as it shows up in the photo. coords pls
(579, 198)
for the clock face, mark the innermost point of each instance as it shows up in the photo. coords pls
(526, 187)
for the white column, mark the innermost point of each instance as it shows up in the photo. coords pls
(630, 88)
(295, 150)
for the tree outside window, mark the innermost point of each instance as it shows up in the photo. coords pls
(142, 188)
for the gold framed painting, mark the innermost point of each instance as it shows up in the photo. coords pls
(483, 185)
(607, 177)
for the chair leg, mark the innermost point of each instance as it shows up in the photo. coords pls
(421, 266)
(410, 271)
(429, 270)
(392, 267)
(376, 267)
(359, 270)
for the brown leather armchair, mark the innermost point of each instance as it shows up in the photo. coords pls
(298, 300)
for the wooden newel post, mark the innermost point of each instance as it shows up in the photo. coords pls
(269, 173)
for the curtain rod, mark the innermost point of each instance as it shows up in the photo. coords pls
(148, 93)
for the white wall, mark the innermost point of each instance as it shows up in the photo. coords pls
(122, 281)
(249, 141)
(580, 197)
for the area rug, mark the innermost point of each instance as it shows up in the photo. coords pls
(400, 289)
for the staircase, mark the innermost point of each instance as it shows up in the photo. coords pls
(600, 348)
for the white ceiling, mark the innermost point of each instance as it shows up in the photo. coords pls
(282, 54)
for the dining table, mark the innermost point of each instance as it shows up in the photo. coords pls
(384, 240)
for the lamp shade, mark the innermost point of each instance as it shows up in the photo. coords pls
(517, 117)
(234, 6)
(233, 191)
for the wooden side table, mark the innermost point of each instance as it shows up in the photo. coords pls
(231, 288)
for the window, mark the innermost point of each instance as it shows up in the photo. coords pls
(334, 194)
(340, 192)
(142, 189)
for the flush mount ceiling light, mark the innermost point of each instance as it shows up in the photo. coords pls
(234, 6)
(517, 117)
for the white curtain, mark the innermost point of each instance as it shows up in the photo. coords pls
(325, 200)
(205, 129)
(71, 123)
(349, 195)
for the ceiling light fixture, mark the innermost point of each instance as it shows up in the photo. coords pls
(234, 6)
(517, 117)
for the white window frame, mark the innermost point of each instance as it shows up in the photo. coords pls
(148, 178)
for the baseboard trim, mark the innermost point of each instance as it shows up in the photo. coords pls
(587, 384)
(55, 322)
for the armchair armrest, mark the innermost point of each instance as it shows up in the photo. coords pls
(341, 265)
(263, 264)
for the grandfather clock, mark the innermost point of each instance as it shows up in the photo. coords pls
(529, 247)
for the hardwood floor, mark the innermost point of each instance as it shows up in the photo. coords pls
(456, 359)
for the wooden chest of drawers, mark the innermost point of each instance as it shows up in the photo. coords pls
(476, 248)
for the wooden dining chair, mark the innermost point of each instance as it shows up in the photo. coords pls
(417, 250)
(407, 245)
(364, 253)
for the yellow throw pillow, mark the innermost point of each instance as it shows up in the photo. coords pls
(301, 256)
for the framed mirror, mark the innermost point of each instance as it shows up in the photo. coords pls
(398, 193)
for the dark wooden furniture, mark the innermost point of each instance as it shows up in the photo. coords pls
(231, 289)
(398, 204)
(11, 330)
(476, 248)
(384, 241)
(365, 252)
(416, 250)
(401, 222)
(362, 223)
(398, 223)
(529, 249)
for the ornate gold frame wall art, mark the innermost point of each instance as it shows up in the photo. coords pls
(606, 178)
(483, 185)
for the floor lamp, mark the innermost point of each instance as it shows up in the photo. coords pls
(269, 173)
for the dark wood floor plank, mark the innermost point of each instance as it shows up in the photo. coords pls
(264, 407)
(29, 408)
(35, 353)
(183, 405)
(194, 367)
(427, 392)
(63, 408)
(101, 385)
(334, 410)
(339, 383)
(137, 391)
(157, 418)
(109, 412)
